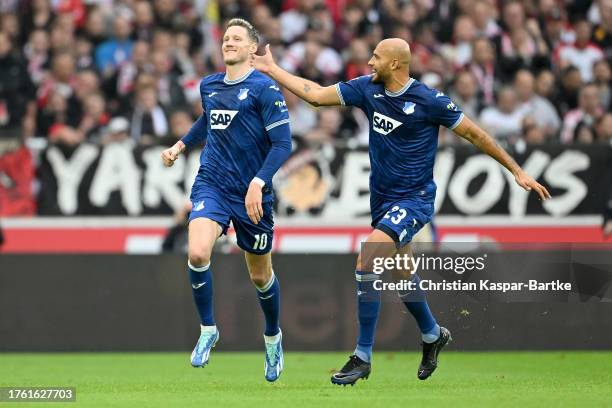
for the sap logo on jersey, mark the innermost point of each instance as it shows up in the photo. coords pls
(221, 119)
(384, 124)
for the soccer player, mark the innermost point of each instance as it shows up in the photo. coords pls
(245, 126)
(404, 117)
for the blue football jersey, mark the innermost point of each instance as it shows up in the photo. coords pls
(239, 113)
(403, 136)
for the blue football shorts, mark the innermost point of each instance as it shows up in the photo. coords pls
(402, 219)
(210, 203)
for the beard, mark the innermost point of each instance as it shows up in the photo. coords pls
(231, 61)
(377, 78)
(234, 59)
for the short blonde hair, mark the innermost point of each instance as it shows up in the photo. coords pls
(241, 22)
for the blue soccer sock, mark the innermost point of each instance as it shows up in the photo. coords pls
(368, 308)
(269, 300)
(202, 288)
(416, 303)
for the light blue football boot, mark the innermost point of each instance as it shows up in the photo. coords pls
(201, 352)
(274, 359)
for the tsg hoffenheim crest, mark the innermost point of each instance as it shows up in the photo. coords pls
(409, 108)
(242, 95)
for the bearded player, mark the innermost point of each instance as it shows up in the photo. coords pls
(404, 117)
(245, 129)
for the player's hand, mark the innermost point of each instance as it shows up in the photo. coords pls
(170, 155)
(528, 183)
(252, 202)
(263, 63)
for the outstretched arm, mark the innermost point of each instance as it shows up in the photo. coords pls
(310, 91)
(481, 139)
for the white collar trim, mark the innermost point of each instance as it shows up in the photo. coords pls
(401, 91)
(237, 80)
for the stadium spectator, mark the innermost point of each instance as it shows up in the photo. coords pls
(313, 60)
(83, 53)
(353, 19)
(116, 131)
(180, 123)
(112, 53)
(603, 129)
(10, 25)
(37, 14)
(144, 21)
(542, 111)
(87, 82)
(557, 29)
(582, 53)
(294, 22)
(504, 120)
(602, 34)
(359, 55)
(484, 20)
(36, 52)
(459, 52)
(484, 69)
(464, 93)
(122, 83)
(148, 120)
(603, 79)
(95, 117)
(589, 109)
(545, 85)
(169, 88)
(523, 48)
(57, 110)
(94, 28)
(62, 78)
(567, 95)
(532, 133)
(16, 90)
(583, 134)
(62, 38)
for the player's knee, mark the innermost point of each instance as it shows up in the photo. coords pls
(260, 275)
(199, 255)
(259, 280)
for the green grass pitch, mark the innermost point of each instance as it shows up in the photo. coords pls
(463, 379)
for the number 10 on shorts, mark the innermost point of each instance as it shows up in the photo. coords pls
(261, 241)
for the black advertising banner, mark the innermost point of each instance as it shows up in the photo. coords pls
(119, 303)
(324, 182)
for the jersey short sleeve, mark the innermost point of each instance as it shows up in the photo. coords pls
(274, 111)
(443, 111)
(351, 93)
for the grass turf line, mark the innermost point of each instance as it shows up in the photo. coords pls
(464, 379)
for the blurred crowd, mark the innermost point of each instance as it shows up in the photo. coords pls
(108, 71)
